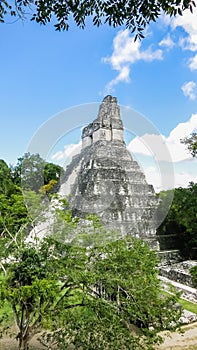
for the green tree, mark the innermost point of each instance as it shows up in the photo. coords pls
(35, 284)
(191, 237)
(32, 172)
(135, 15)
(52, 172)
(29, 172)
(182, 220)
(6, 184)
(59, 286)
(67, 288)
(52, 176)
(191, 144)
(13, 213)
(119, 279)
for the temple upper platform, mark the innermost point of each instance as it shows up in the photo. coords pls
(107, 126)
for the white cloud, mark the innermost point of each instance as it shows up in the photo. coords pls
(58, 155)
(126, 52)
(123, 76)
(153, 177)
(146, 144)
(193, 63)
(189, 89)
(68, 152)
(181, 178)
(189, 23)
(154, 145)
(183, 129)
(167, 42)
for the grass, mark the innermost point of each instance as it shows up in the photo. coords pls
(187, 305)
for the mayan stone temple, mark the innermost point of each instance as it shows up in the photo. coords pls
(103, 178)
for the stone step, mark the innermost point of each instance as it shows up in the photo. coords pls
(168, 257)
(179, 272)
(188, 293)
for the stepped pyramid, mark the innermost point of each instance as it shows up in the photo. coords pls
(103, 178)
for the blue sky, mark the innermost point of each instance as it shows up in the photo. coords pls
(44, 72)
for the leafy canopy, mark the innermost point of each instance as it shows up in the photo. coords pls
(35, 176)
(182, 220)
(191, 144)
(134, 14)
(92, 298)
(32, 172)
(92, 293)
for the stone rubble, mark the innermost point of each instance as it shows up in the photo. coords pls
(187, 317)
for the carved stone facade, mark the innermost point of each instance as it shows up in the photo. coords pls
(107, 126)
(104, 179)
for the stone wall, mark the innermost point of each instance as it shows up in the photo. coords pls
(169, 257)
(179, 272)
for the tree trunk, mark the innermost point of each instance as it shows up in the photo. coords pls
(23, 343)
